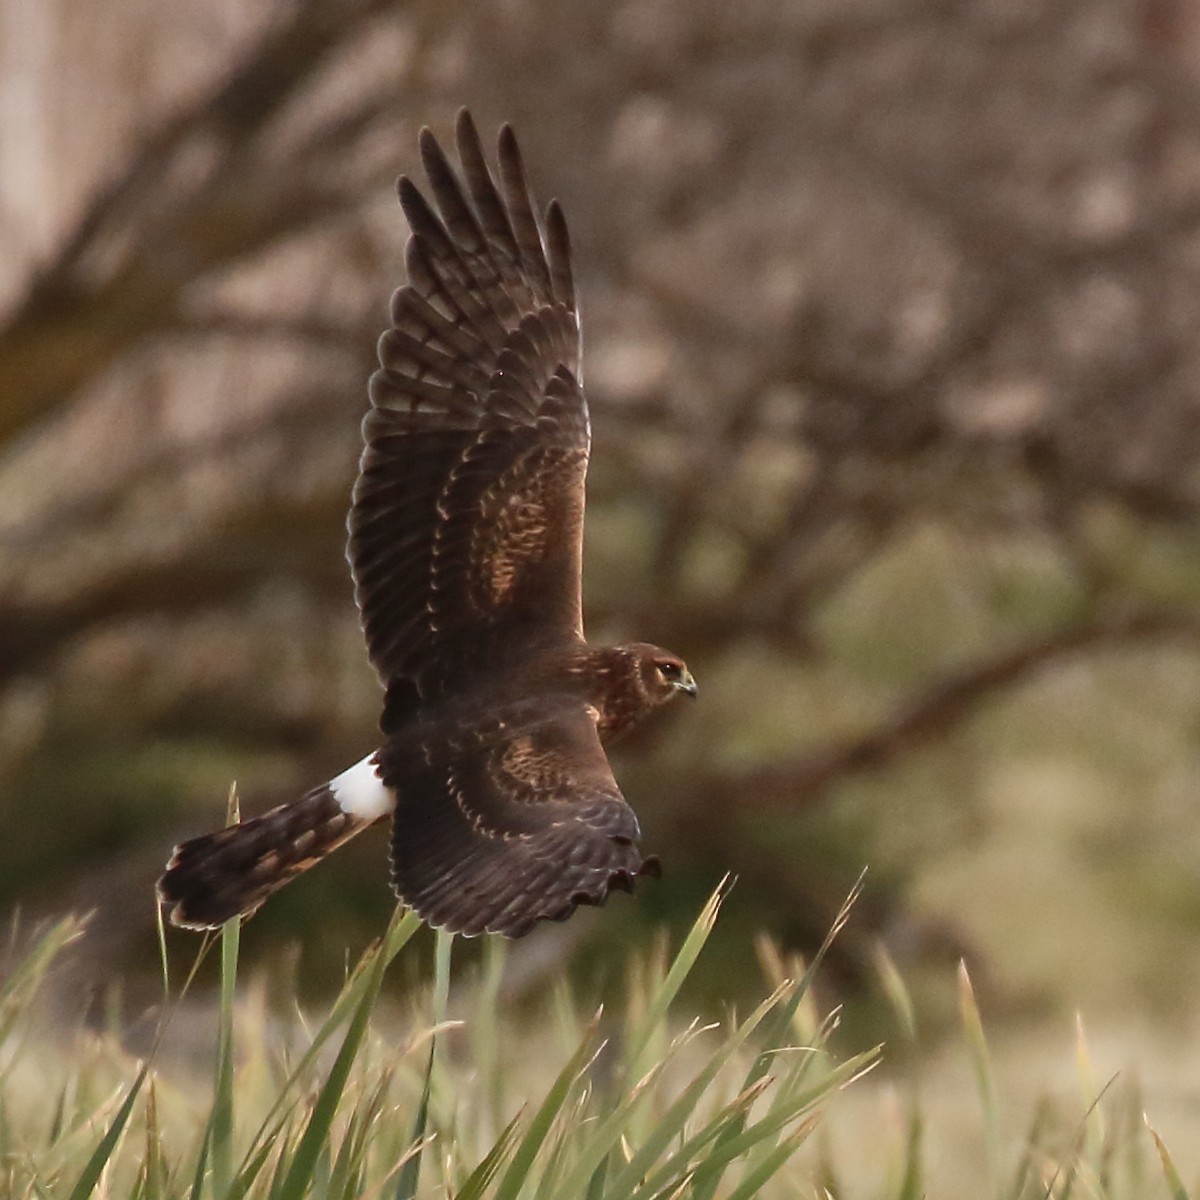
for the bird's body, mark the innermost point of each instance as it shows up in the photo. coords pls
(466, 550)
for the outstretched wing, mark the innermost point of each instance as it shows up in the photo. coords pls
(508, 819)
(466, 530)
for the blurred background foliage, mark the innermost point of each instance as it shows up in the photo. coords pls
(891, 313)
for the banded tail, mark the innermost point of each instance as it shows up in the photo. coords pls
(217, 876)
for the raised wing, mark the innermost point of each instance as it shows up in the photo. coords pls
(466, 529)
(508, 819)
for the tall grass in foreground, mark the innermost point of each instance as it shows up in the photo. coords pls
(640, 1104)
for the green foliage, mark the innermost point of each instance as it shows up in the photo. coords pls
(645, 1105)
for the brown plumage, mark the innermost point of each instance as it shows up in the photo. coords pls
(466, 540)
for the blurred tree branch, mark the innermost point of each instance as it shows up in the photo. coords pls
(933, 713)
(204, 189)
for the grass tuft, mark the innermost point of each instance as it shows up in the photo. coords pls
(380, 1099)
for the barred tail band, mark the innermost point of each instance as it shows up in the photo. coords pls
(218, 876)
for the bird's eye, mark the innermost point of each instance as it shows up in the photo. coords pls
(669, 671)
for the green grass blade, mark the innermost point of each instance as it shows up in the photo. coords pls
(28, 973)
(489, 1166)
(283, 1160)
(1067, 1187)
(792, 1107)
(559, 1146)
(680, 1163)
(605, 1135)
(1027, 1165)
(671, 1123)
(342, 1174)
(776, 1031)
(749, 1138)
(154, 1165)
(403, 925)
(250, 1170)
(23, 980)
(595, 1188)
(201, 1161)
(1078, 1144)
(1170, 1173)
(92, 1171)
(316, 1133)
(912, 1185)
(410, 1174)
(896, 993)
(346, 1181)
(664, 995)
(566, 1080)
(756, 1179)
(486, 1039)
(1092, 1134)
(981, 1066)
(222, 1114)
(58, 1118)
(160, 929)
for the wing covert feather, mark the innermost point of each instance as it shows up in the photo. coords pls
(508, 818)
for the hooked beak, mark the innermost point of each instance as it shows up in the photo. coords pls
(687, 685)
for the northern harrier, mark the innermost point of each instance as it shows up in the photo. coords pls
(466, 536)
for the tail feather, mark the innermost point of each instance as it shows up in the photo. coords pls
(218, 876)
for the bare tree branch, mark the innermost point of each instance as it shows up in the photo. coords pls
(802, 782)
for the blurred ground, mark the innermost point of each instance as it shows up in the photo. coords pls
(890, 313)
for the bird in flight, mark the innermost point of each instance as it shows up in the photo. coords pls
(465, 544)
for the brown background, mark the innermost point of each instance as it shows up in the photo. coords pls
(891, 329)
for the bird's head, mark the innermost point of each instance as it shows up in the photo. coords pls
(626, 683)
(663, 675)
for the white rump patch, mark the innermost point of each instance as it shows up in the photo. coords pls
(361, 793)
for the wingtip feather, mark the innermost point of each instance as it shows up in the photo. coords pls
(464, 125)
